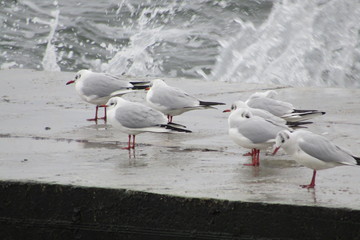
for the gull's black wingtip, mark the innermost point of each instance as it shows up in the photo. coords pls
(177, 129)
(203, 103)
(357, 160)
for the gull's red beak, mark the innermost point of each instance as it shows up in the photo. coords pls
(104, 105)
(276, 150)
(70, 82)
(227, 110)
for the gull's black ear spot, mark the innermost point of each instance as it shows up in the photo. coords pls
(287, 136)
(245, 115)
(284, 136)
(112, 102)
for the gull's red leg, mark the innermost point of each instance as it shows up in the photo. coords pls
(96, 115)
(257, 157)
(253, 160)
(104, 118)
(169, 118)
(247, 154)
(133, 144)
(312, 183)
(129, 141)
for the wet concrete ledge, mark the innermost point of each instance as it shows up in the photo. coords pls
(52, 211)
(62, 177)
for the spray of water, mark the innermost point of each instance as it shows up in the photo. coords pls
(49, 61)
(148, 36)
(301, 43)
(171, 38)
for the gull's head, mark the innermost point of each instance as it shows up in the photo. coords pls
(282, 140)
(157, 82)
(241, 114)
(244, 113)
(113, 102)
(266, 94)
(270, 94)
(79, 75)
(236, 105)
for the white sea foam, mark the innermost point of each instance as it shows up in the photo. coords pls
(8, 65)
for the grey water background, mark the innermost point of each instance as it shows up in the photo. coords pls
(299, 43)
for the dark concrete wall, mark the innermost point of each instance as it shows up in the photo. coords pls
(45, 211)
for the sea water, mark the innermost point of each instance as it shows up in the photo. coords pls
(298, 43)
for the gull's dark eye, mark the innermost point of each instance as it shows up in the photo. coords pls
(77, 76)
(233, 107)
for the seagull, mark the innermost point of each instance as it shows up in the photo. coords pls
(134, 118)
(264, 114)
(252, 132)
(98, 88)
(173, 101)
(285, 110)
(313, 151)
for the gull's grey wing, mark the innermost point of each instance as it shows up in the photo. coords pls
(321, 148)
(257, 129)
(276, 107)
(173, 98)
(102, 85)
(136, 115)
(267, 116)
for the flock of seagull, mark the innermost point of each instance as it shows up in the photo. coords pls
(257, 124)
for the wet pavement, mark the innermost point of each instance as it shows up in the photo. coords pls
(44, 137)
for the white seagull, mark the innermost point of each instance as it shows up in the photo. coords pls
(134, 118)
(264, 114)
(285, 110)
(173, 101)
(313, 151)
(256, 112)
(252, 132)
(98, 88)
